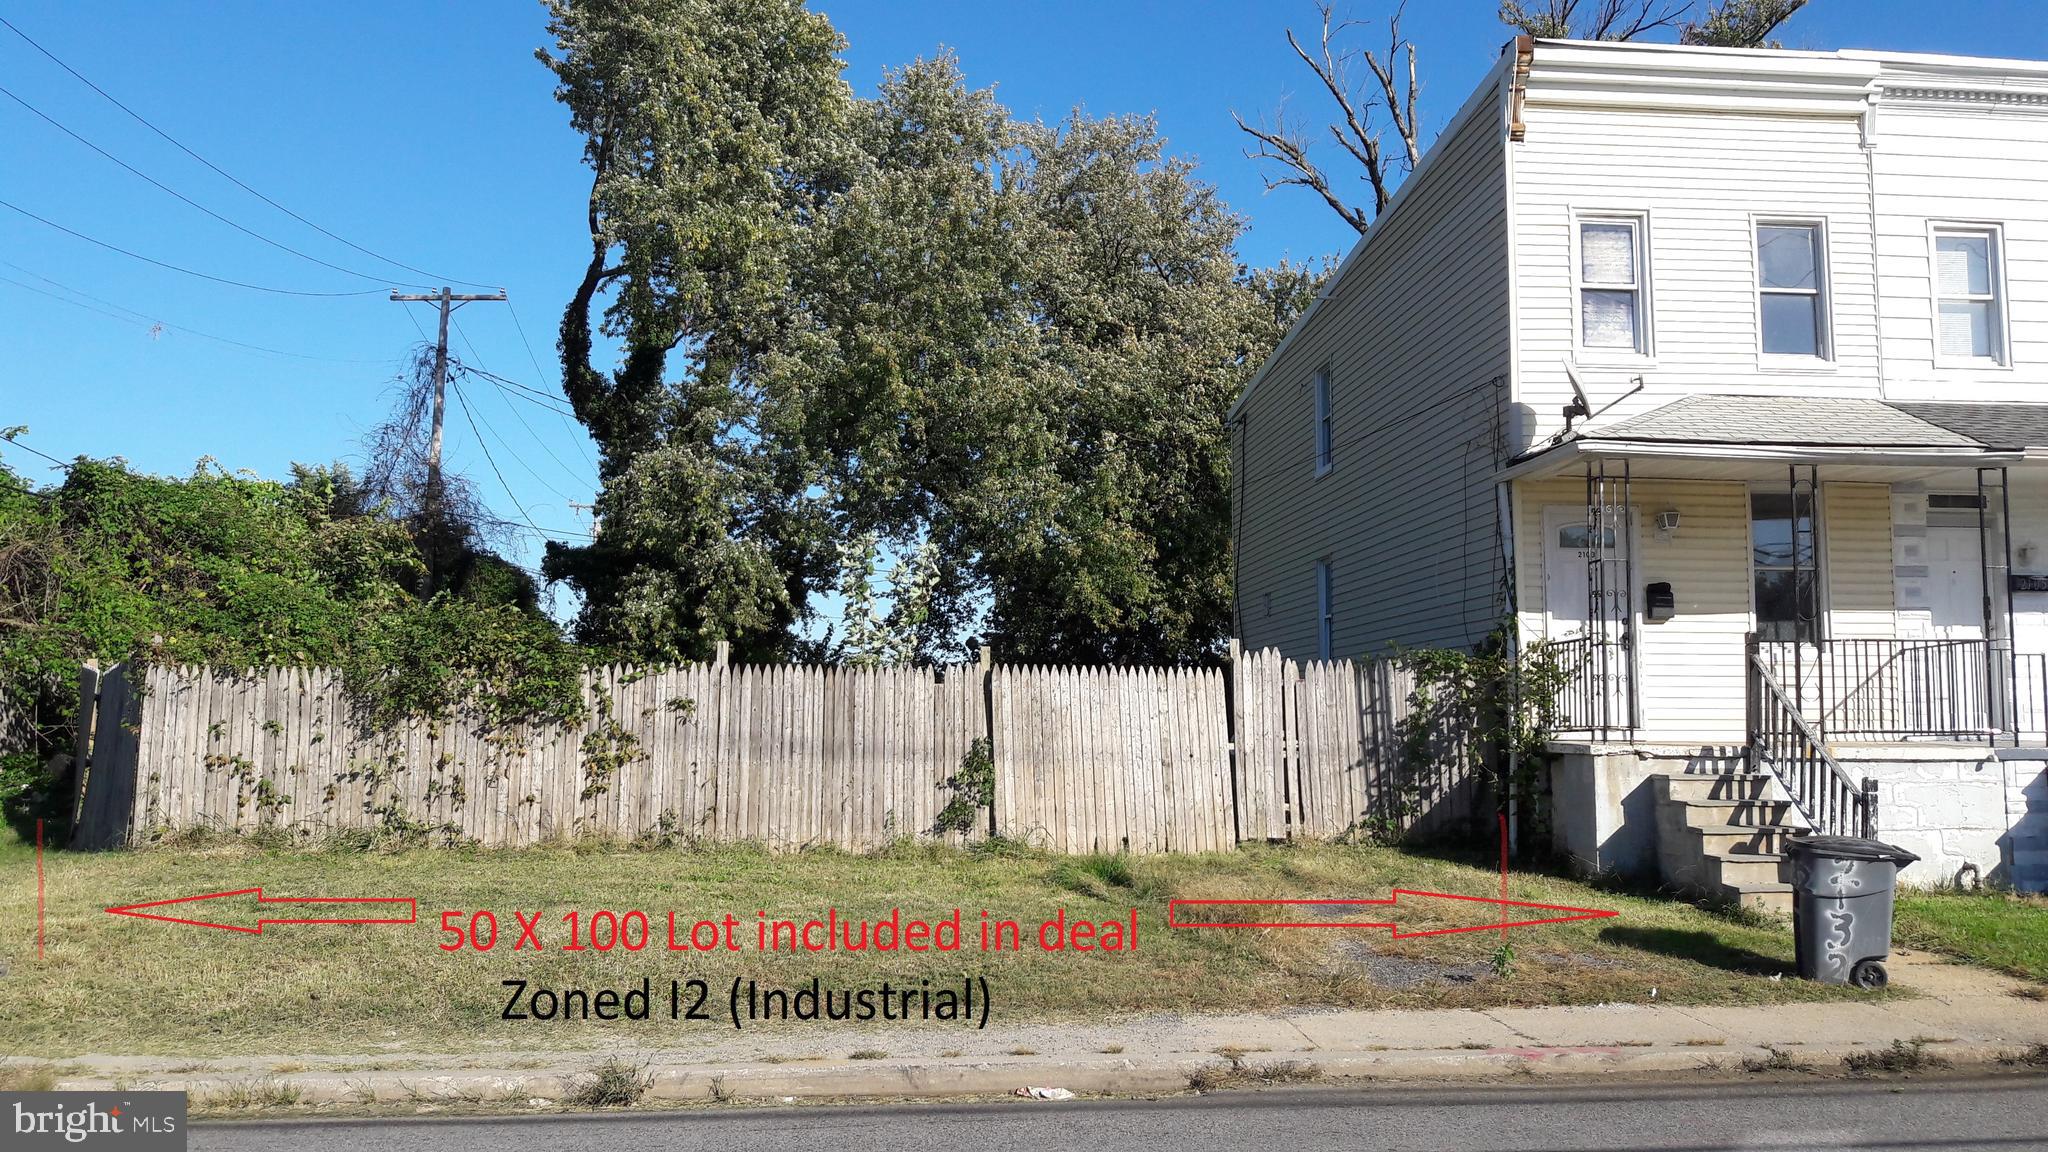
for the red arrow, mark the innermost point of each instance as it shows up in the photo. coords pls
(135, 910)
(1571, 914)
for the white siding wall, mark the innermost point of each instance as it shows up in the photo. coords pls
(1962, 162)
(1406, 515)
(1692, 678)
(1702, 178)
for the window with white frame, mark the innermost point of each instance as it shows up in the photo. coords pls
(1324, 427)
(1792, 305)
(1325, 601)
(1970, 318)
(1611, 268)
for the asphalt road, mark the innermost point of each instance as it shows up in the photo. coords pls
(2004, 1113)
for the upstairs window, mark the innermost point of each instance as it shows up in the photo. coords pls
(1325, 443)
(1970, 320)
(1792, 290)
(1611, 265)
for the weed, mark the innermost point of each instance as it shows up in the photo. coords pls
(1503, 961)
(950, 1054)
(1238, 1074)
(1110, 1049)
(2031, 992)
(1708, 1042)
(1902, 1056)
(1020, 1050)
(2035, 1057)
(1779, 1060)
(252, 1095)
(613, 1084)
(868, 1054)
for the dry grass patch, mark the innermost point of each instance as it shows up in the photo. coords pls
(1901, 1056)
(1775, 1060)
(614, 1083)
(1235, 1073)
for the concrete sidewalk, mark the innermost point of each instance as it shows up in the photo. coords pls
(1964, 1015)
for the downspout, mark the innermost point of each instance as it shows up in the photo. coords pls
(1239, 451)
(1515, 131)
(1505, 512)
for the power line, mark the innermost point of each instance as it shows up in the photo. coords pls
(529, 394)
(218, 170)
(10, 442)
(521, 417)
(469, 414)
(540, 373)
(135, 317)
(178, 268)
(167, 189)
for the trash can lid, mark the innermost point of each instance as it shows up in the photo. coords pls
(1848, 848)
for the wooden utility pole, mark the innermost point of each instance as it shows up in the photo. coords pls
(448, 302)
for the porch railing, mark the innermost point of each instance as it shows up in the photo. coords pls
(1887, 689)
(2030, 698)
(1593, 696)
(1785, 744)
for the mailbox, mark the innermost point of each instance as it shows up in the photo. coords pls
(1658, 603)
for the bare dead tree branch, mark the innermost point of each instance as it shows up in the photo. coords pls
(1605, 20)
(1356, 127)
(1286, 146)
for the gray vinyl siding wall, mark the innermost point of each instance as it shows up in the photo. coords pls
(1416, 340)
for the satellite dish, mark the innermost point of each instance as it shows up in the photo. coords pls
(1579, 408)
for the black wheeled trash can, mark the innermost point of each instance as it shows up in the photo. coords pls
(1842, 889)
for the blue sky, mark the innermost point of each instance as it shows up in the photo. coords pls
(427, 132)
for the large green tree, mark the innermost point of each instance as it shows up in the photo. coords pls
(1003, 347)
(715, 130)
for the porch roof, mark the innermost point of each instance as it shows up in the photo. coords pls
(1714, 436)
(2012, 426)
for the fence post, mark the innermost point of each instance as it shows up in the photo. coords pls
(986, 665)
(1233, 700)
(722, 654)
(81, 744)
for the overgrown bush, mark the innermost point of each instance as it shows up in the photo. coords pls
(233, 571)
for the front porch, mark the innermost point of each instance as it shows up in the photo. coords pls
(1864, 624)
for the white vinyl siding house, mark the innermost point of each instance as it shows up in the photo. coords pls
(1711, 368)
(1365, 443)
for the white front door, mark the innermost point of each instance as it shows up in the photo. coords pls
(1955, 583)
(1571, 612)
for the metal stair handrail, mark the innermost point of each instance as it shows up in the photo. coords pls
(1780, 738)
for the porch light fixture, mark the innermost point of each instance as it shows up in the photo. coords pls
(1667, 523)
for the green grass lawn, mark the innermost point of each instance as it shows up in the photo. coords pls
(115, 984)
(2004, 931)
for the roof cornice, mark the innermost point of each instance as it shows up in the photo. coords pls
(1572, 73)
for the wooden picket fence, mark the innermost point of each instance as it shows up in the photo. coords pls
(1085, 759)
(1113, 759)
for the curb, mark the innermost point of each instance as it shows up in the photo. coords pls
(1141, 1075)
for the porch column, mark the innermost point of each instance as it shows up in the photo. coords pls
(1994, 553)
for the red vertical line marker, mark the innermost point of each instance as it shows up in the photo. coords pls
(1503, 875)
(39, 890)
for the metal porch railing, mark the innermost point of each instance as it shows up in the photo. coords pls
(1594, 694)
(1783, 743)
(1888, 689)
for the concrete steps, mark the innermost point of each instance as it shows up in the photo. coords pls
(1722, 835)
